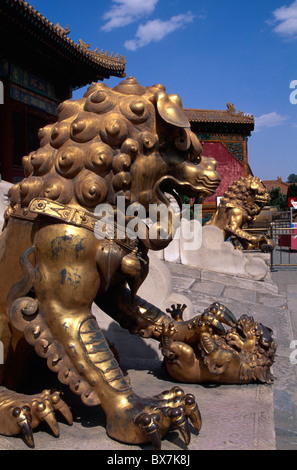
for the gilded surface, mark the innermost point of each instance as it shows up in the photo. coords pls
(237, 210)
(133, 142)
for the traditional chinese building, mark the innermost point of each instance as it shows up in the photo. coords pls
(278, 183)
(224, 136)
(40, 66)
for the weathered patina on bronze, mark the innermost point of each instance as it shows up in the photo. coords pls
(129, 141)
(237, 211)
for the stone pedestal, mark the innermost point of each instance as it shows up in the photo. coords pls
(217, 255)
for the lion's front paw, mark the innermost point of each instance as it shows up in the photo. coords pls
(22, 413)
(151, 418)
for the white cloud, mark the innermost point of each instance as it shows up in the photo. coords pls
(124, 12)
(286, 17)
(157, 29)
(269, 120)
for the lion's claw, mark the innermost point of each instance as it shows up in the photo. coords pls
(149, 425)
(179, 421)
(174, 410)
(43, 410)
(222, 314)
(23, 421)
(192, 411)
(59, 405)
(24, 413)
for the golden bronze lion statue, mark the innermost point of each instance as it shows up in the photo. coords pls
(237, 210)
(131, 143)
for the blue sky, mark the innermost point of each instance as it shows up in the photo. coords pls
(210, 52)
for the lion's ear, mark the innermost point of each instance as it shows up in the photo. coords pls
(170, 109)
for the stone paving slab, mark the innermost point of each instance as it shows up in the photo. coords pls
(228, 280)
(210, 288)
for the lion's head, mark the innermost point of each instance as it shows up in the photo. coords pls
(248, 193)
(130, 140)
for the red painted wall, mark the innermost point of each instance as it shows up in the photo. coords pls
(228, 167)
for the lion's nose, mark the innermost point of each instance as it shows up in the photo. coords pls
(209, 163)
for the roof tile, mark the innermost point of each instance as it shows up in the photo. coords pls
(228, 116)
(111, 63)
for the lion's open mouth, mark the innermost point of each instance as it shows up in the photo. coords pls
(170, 185)
(262, 200)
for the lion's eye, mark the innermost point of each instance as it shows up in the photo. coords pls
(195, 159)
